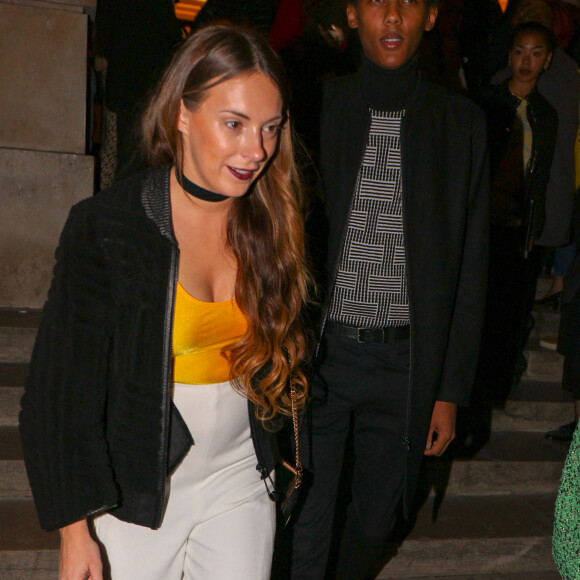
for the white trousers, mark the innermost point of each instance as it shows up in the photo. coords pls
(219, 523)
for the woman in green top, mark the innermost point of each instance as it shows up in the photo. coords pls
(566, 539)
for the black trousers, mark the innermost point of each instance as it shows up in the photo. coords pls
(510, 298)
(569, 342)
(366, 385)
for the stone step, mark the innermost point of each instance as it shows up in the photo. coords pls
(516, 576)
(20, 317)
(542, 286)
(465, 556)
(501, 476)
(16, 344)
(10, 405)
(477, 537)
(12, 376)
(470, 537)
(13, 479)
(531, 406)
(543, 364)
(539, 416)
(17, 333)
(547, 391)
(534, 406)
(510, 462)
(547, 322)
(26, 551)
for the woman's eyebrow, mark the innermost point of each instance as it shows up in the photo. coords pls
(244, 116)
(526, 46)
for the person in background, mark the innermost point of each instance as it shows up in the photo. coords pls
(523, 129)
(564, 17)
(135, 40)
(258, 14)
(560, 85)
(440, 55)
(568, 338)
(172, 332)
(319, 52)
(484, 38)
(403, 167)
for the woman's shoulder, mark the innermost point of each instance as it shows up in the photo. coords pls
(122, 195)
(131, 188)
(124, 203)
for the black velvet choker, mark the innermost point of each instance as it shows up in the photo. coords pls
(387, 89)
(197, 191)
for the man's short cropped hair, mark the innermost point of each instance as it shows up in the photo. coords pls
(430, 3)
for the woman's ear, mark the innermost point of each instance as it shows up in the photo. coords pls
(183, 118)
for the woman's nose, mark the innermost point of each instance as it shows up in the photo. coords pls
(254, 146)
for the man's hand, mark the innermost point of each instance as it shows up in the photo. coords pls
(442, 430)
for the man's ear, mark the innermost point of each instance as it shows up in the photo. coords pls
(183, 119)
(431, 18)
(351, 15)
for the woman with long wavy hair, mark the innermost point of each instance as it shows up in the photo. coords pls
(172, 332)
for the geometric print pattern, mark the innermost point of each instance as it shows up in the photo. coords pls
(371, 284)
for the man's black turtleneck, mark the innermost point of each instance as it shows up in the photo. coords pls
(388, 89)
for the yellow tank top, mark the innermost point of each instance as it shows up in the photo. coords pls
(200, 331)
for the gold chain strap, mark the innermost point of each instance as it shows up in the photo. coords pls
(298, 479)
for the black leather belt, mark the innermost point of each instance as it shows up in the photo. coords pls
(376, 335)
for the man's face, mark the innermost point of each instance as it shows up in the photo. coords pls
(390, 30)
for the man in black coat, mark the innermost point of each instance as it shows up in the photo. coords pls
(403, 165)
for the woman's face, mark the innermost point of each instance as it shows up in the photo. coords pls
(529, 56)
(230, 137)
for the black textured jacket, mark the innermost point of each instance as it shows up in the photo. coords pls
(500, 106)
(99, 430)
(445, 217)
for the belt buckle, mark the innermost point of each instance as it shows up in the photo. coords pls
(358, 338)
(372, 330)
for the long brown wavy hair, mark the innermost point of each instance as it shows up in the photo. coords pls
(265, 228)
